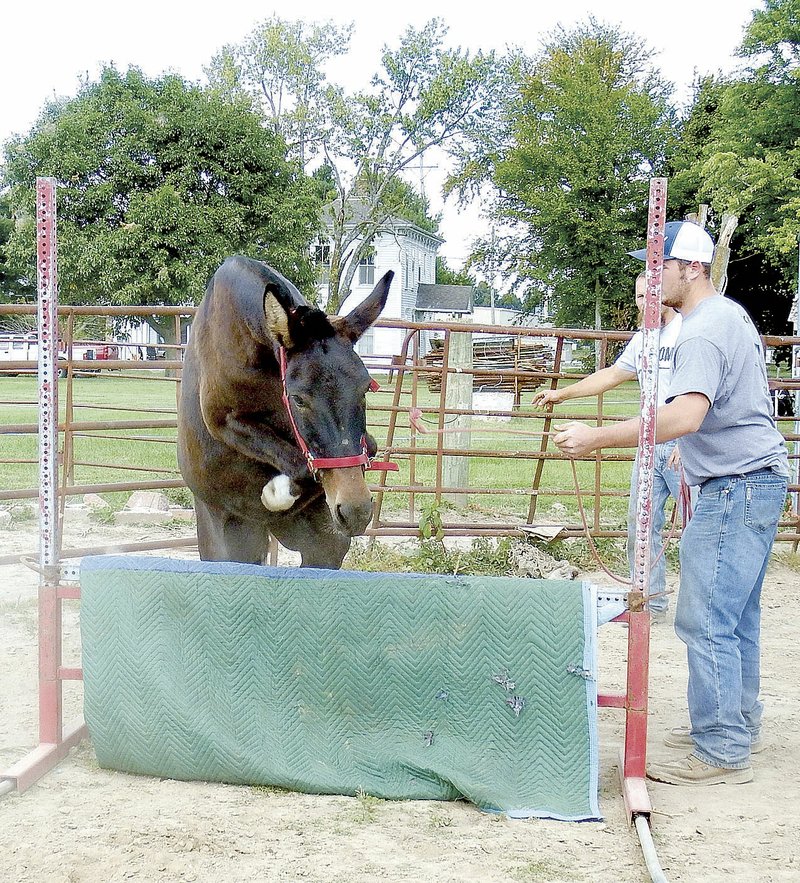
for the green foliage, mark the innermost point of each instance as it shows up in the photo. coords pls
(179, 496)
(279, 68)
(367, 806)
(483, 558)
(15, 283)
(158, 182)
(612, 553)
(740, 153)
(424, 96)
(430, 522)
(446, 276)
(586, 124)
(483, 298)
(401, 200)
(102, 516)
(774, 32)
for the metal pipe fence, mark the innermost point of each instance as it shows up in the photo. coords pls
(511, 479)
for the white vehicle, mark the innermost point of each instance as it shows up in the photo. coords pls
(18, 347)
(24, 347)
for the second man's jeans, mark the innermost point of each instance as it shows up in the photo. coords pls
(666, 484)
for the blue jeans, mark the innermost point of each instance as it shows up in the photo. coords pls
(724, 554)
(666, 484)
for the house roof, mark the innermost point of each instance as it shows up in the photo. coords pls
(357, 211)
(444, 298)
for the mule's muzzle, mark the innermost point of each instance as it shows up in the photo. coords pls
(348, 499)
(353, 519)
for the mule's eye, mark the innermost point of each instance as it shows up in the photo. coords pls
(299, 401)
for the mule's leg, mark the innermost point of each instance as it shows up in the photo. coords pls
(246, 541)
(223, 537)
(312, 534)
(209, 539)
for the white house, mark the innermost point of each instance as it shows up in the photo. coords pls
(414, 296)
(410, 252)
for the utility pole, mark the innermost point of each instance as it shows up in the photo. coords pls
(491, 279)
(422, 169)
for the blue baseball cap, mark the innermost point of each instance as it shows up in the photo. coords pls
(683, 241)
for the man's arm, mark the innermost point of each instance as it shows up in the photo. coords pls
(683, 415)
(594, 384)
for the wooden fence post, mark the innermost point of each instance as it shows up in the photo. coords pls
(455, 470)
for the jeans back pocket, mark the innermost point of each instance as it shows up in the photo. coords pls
(763, 504)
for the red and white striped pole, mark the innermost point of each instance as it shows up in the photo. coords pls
(50, 693)
(54, 742)
(635, 754)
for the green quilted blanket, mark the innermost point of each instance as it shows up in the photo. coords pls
(398, 685)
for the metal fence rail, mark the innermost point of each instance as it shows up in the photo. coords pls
(510, 471)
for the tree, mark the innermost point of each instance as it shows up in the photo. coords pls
(447, 276)
(424, 97)
(482, 294)
(280, 67)
(158, 182)
(586, 123)
(502, 300)
(745, 157)
(15, 284)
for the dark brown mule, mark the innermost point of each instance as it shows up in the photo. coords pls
(237, 448)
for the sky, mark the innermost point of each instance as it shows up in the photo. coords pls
(48, 46)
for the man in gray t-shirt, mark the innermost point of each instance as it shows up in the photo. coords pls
(719, 406)
(719, 355)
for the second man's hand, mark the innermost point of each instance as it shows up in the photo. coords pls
(576, 439)
(545, 397)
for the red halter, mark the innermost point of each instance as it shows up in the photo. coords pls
(316, 463)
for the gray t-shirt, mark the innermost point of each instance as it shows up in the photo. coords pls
(719, 354)
(631, 357)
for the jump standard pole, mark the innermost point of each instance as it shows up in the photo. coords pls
(50, 693)
(54, 742)
(634, 755)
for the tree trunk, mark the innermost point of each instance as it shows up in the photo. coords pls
(699, 217)
(165, 326)
(598, 323)
(722, 253)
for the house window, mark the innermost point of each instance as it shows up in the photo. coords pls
(366, 343)
(322, 254)
(366, 270)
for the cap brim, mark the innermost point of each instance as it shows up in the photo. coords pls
(640, 255)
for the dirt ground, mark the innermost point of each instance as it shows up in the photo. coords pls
(81, 824)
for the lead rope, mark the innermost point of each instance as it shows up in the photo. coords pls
(684, 502)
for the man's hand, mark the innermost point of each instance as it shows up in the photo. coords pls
(674, 461)
(545, 397)
(576, 439)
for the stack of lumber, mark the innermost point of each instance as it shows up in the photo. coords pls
(527, 356)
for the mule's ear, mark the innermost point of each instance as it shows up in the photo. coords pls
(356, 322)
(276, 312)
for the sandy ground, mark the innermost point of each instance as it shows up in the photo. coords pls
(80, 824)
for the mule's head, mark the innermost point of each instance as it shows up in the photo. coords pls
(326, 383)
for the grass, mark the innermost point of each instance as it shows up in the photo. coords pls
(367, 806)
(147, 454)
(485, 557)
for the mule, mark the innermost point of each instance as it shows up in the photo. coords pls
(272, 435)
